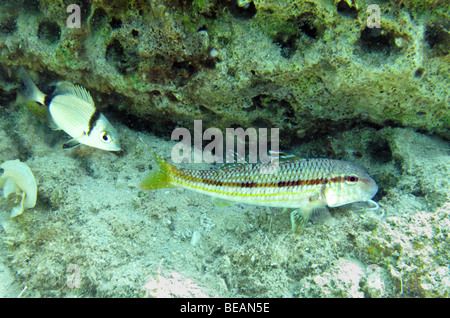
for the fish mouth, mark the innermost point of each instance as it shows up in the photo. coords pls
(374, 191)
(115, 148)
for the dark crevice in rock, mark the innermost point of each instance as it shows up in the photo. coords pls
(124, 61)
(245, 13)
(344, 9)
(98, 19)
(306, 24)
(85, 8)
(115, 23)
(438, 38)
(380, 150)
(377, 40)
(31, 5)
(8, 26)
(49, 31)
(419, 72)
(287, 46)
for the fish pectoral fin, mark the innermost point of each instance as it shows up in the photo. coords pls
(299, 218)
(52, 124)
(72, 143)
(287, 210)
(221, 203)
(321, 214)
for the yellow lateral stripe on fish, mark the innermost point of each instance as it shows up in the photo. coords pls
(190, 186)
(309, 185)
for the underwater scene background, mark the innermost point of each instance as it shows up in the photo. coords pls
(335, 86)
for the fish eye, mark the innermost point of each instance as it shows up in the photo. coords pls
(105, 137)
(351, 179)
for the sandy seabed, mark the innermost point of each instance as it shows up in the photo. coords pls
(94, 233)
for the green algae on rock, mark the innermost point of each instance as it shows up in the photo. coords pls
(296, 65)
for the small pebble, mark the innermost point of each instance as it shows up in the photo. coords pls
(195, 238)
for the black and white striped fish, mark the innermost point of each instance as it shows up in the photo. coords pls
(72, 109)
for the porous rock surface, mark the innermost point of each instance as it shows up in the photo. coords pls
(302, 66)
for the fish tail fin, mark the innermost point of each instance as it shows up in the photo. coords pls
(158, 178)
(30, 91)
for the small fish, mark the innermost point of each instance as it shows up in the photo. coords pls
(307, 185)
(72, 109)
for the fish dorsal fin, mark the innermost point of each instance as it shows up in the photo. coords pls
(282, 156)
(65, 88)
(239, 161)
(275, 156)
(236, 156)
(233, 165)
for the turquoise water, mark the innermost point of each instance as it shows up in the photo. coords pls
(334, 87)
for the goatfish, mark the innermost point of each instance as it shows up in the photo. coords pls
(72, 109)
(309, 186)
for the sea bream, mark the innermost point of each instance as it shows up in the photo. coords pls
(72, 109)
(307, 185)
